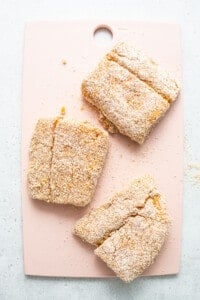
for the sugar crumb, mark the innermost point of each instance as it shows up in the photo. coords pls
(193, 172)
(64, 62)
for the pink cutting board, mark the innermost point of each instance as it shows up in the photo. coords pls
(50, 249)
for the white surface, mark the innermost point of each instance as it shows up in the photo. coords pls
(13, 283)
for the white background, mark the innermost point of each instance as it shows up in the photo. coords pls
(13, 283)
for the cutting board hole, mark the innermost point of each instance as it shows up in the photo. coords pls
(103, 36)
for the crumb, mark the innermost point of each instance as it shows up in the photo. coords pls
(196, 179)
(195, 166)
(64, 62)
(193, 173)
(63, 111)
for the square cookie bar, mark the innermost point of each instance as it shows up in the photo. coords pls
(65, 161)
(128, 230)
(131, 91)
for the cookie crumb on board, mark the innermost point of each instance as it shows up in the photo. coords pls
(63, 111)
(64, 62)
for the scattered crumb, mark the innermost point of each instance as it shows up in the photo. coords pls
(82, 107)
(63, 111)
(195, 166)
(193, 172)
(196, 179)
(64, 62)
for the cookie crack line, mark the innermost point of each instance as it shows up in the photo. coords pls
(113, 59)
(109, 233)
(55, 124)
(131, 215)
